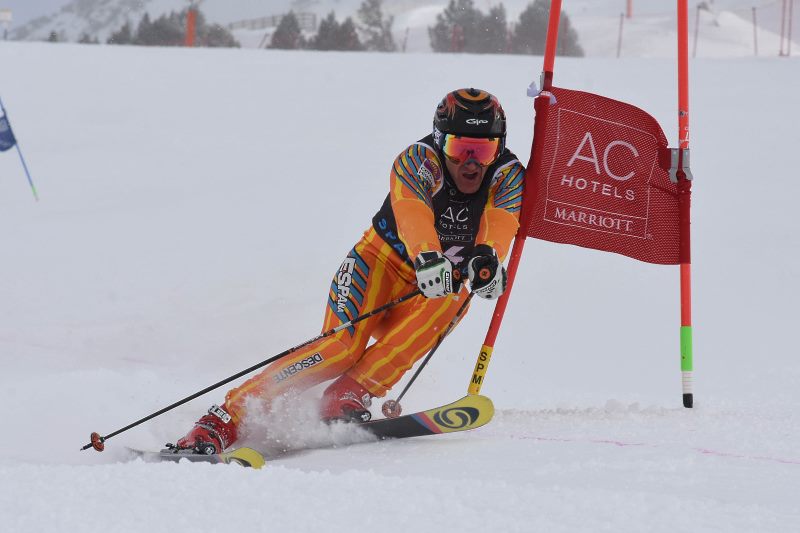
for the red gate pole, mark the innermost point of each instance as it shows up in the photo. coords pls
(684, 204)
(541, 105)
(191, 23)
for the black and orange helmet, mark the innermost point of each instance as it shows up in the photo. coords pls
(470, 113)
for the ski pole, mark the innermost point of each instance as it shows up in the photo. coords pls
(98, 442)
(392, 408)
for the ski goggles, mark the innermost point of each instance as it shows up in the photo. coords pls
(459, 149)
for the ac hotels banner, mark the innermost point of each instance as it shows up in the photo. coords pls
(605, 181)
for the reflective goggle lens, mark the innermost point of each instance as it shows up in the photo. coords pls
(459, 149)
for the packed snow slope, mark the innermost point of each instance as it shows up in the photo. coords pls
(194, 206)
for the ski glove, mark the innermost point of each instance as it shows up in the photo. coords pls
(487, 276)
(434, 274)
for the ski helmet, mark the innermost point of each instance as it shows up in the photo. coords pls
(469, 113)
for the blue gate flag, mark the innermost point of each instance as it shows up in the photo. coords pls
(7, 140)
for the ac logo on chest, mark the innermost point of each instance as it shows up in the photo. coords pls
(455, 219)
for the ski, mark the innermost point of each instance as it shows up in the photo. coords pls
(470, 412)
(247, 457)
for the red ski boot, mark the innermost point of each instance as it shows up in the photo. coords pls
(211, 434)
(345, 399)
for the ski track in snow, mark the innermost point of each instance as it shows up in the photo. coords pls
(169, 250)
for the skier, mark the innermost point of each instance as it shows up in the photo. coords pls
(450, 215)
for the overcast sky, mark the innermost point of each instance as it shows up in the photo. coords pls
(24, 10)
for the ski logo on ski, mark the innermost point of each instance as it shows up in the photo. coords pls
(454, 419)
(467, 413)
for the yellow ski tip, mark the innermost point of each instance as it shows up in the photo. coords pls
(471, 411)
(245, 457)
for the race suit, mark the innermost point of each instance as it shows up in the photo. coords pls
(423, 211)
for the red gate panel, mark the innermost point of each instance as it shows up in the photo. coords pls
(604, 180)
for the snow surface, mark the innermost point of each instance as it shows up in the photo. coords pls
(194, 205)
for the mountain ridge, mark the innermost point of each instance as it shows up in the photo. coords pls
(724, 27)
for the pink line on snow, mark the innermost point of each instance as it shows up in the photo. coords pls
(704, 451)
(596, 441)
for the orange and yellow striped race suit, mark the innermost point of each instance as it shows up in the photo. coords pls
(423, 211)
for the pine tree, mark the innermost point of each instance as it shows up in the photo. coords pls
(216, 36)
(348, 36)
(167, 30)
(457, 28)
(376, 29)
(144, 31)
(287, 35)
(568, 44)
(327, 34)
(210, 35)
(492, 36)
(170, 30)
(85, 39)
(531, 32)
(334, 36)
(122, 36)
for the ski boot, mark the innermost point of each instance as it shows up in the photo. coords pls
(211, 434)
(345, 399)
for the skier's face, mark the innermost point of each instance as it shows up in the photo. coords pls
(467, 175)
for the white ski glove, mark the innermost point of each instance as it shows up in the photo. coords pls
(434, 274)
(487, 276)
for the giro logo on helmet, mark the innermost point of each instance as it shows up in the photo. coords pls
(470, 113)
